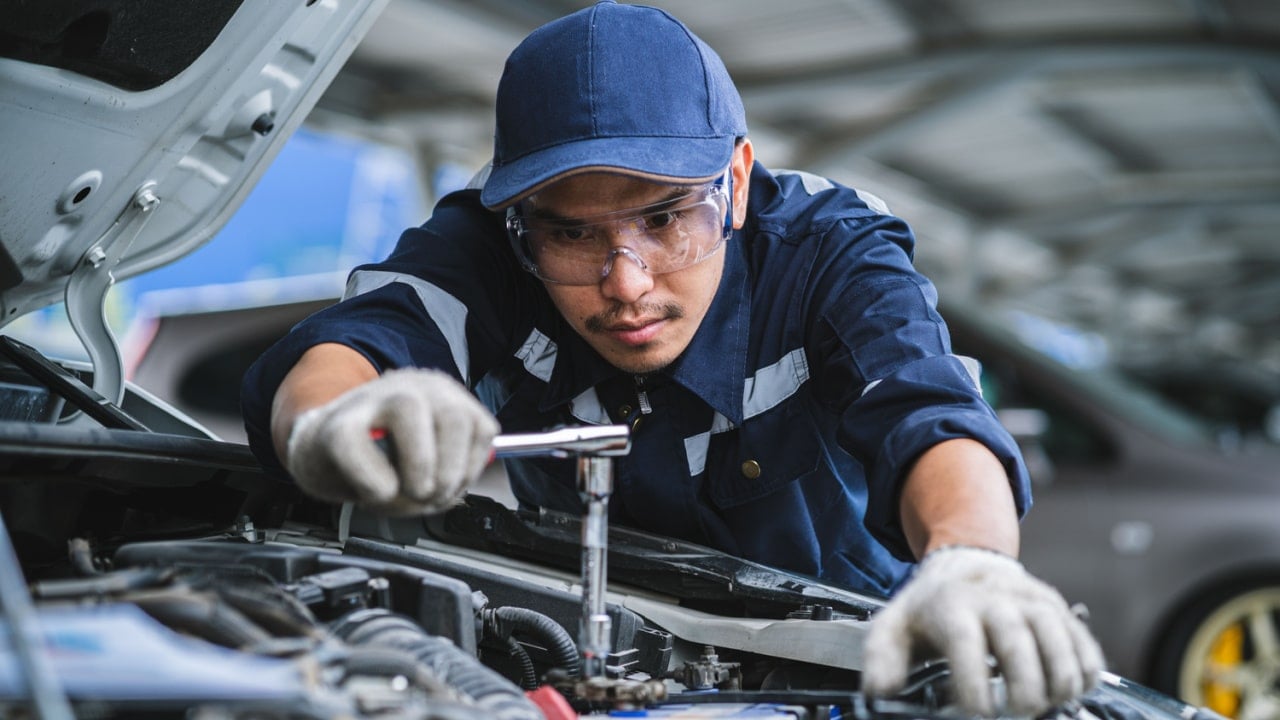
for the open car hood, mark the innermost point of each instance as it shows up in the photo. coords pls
(132, 130)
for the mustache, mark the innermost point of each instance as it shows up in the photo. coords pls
(601, 322)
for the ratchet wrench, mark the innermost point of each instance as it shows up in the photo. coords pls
(594, 447)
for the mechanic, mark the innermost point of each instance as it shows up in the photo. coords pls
(790, 385)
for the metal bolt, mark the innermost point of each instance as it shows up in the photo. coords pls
(95, 256)
(265, 123)
(146, 199)
(243, 527)
(380, 592)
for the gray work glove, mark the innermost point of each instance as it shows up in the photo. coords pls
(442, 438)
(965, 603)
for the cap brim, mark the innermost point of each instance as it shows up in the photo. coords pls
(678, 161)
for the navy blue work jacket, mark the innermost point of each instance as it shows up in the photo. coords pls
(782, 434)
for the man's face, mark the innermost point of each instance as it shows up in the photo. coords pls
(639, 322)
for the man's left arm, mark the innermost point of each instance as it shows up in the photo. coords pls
(970, 597)
(945, 483)
(957, 493)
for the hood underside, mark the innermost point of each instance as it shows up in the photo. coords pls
(134, 129)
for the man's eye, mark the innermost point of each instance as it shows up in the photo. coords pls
(661, 220)
(572, 235)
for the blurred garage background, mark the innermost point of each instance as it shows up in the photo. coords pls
(1095, 186)
(1103, 173)
(1110, 165)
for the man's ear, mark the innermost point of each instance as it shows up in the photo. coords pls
(743, 158)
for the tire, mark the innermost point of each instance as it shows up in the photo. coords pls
(1223, 653)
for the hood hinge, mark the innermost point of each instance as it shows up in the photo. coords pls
(87, 293)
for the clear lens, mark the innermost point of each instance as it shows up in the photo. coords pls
(661, 238)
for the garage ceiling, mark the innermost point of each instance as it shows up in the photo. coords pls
(1112, 164)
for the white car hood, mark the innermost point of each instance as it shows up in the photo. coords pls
(102, 182)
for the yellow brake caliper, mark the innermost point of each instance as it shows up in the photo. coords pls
(1225, 656)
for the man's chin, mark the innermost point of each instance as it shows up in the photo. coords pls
(639, 360)
(639, 365)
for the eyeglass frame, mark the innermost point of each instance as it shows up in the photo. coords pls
(721, 185)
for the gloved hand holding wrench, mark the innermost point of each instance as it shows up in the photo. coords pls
(332, 455)
(411, 441)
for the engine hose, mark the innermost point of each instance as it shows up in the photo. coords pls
(201, 615)
(564, 652)
(277, 612)
(453, 710)
(457, 669)
(528, 676)
(102, 585)
(387, 662)
(81, 555)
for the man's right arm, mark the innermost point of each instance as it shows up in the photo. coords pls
(394, 356)
(332, 402)
(322, 374)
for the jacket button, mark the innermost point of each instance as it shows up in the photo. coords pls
(624, 412)
(751, 469)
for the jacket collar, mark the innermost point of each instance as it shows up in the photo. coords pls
(714, 365)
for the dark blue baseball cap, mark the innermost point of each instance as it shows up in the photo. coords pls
(612, 88)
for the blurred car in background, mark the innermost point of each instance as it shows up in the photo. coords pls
(1169, 537)
(1241, 402)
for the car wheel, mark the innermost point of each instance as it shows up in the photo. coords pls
(1224, 654)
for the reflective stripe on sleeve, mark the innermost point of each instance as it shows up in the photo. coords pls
(814, 184)
(971, 366)
(446, 311)
(974, 367)
(873, 202)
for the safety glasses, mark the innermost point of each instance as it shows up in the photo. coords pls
(661, 238)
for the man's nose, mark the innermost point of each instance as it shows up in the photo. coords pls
(626, 276)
